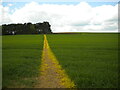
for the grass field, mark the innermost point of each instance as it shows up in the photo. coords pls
(91, 60)
(0, 57)
(21, 60)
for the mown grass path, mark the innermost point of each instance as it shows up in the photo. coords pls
(52, 75)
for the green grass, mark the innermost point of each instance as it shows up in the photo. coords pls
(0, 61)
(90, 60)
(21, 60)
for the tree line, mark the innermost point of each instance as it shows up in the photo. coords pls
(26, 28)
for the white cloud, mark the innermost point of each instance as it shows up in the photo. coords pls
(4, 15)
(76, 18)
(10, 5)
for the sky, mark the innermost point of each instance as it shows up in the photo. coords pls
(63, 16)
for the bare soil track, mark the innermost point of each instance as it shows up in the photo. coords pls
(52, 75)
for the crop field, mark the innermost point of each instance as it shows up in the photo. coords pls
(21, 60)
(90, 60)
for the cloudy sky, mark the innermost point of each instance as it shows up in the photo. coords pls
(77, 16)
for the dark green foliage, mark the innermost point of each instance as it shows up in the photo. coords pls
(41, 28)
(26, 28)
(91, 60)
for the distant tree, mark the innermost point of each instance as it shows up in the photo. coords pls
(26, 28)
(31, 29)
(0, 30)
(46, 28)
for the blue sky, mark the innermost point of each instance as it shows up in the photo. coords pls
(94, 4)
(16, 5)
(61, 0)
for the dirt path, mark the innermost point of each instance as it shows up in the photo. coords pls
(52, 74)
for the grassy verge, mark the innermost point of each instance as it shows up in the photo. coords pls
(21, 60)
(0, 57)
(91, 60)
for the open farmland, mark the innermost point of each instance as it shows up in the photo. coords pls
(21, 60)
(91, 60)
